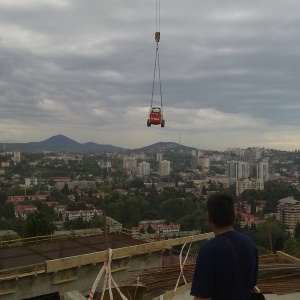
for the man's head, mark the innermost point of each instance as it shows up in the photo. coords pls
(220, 209)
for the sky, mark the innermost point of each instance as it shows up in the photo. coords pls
(230, 72)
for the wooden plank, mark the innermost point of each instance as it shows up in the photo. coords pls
(96, 257)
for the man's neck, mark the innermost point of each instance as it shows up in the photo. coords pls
(218, 230)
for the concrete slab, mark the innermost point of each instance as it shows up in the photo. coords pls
(185, 295)
(74, 295)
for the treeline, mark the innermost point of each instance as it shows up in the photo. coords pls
(136, 203)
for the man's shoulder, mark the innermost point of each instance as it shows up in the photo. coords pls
(241, 236)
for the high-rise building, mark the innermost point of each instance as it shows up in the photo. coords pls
(238, 170)
(159, 156)
(262, 171)
(204, 162)
(242, 170)
(232, 171)
(143, 169)
(164, 168)
(129, 163)
(288, 211)
(17, 157)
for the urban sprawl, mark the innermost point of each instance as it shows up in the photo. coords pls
(154, 193)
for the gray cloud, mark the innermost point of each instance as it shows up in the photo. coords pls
(229, 70)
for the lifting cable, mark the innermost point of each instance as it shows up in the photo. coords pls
(156, 64)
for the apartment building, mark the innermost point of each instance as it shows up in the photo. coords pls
(164, 168)
(143, 169)
(86, 215)
(17, 157)
(248, 184)
(159, 156)
(237, 170)
(23, 211)
(18, 199)
(29, 181)
(262, 171)
(204, 162)
(129, 163)
(288, 212)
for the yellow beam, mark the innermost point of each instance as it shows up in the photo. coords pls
(96, 257)
(288, 257)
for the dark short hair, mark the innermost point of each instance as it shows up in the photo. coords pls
(220, 208)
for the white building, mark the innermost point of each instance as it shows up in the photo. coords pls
(257, 153)
(159, 156)
(204, 162)
(17, 157)
(262, 171)
(129, 163)
(243, 170)
(143, 169)
(104, 164)
(238, 170)
(248, 184)
(29, 181)
(164, 168)
(288, 211)
(86, 215)
(193, 152)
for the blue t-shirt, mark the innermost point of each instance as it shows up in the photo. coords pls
(220, 274)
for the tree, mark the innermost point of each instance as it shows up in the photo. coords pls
(150, 229)
(3, 197)
(65, 190)
(38, 224)
(97, 221)
(292, 247)
(269, 235)
(18, 225)
(297, 231)
(8, 210)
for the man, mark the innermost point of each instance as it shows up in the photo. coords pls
(227, 266)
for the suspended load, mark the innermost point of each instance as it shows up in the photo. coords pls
(156, 112)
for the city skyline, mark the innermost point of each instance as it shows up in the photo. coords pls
(229, 72)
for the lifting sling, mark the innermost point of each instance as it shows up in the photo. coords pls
(156, 64)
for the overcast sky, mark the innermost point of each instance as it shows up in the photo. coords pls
(230, 72)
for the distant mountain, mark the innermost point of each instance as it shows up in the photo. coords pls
(58, 143)
(62, 143)
(162, 146)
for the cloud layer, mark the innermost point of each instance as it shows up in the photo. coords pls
(229, 71)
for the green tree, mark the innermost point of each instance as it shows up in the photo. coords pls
(18, 225)
(8, 210)
(65, 190)
(38, 224)
(269, 235)
(292, 247)
(3, 197)
(57, 195)
(150, 229)
(97, 221)
(297, 231)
